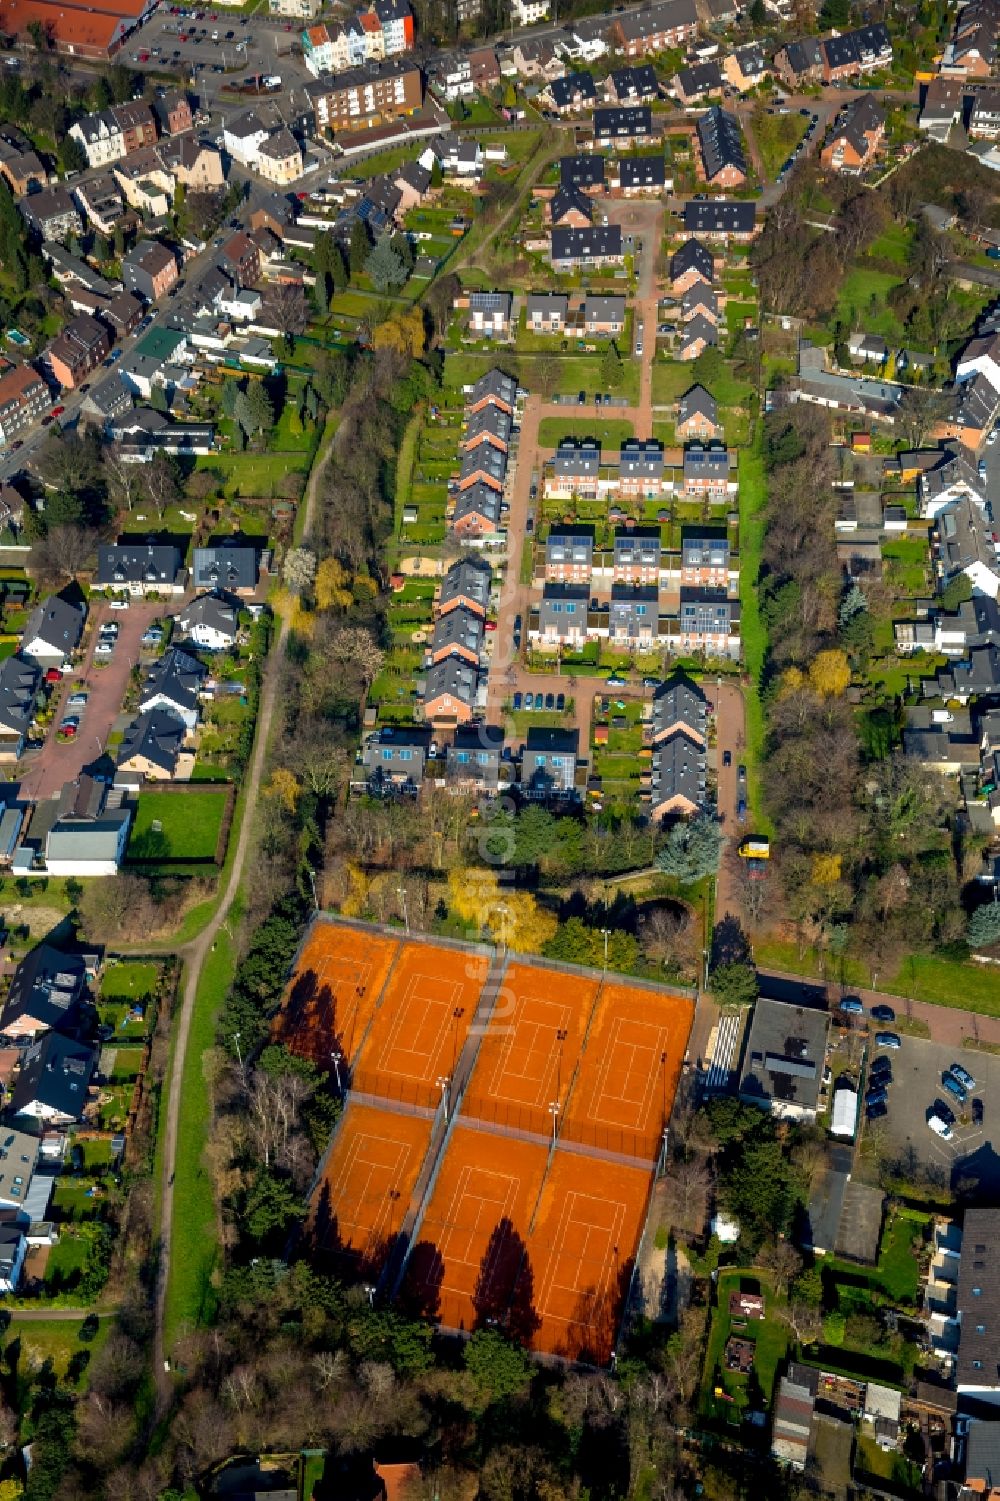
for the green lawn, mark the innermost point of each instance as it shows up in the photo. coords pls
(610, 432)
(56, 1339)
(130, 980)
(189, 824)
(923, 977)
(863, 302)
(771, 1337)
(777, 137)
(258, 474)
(71, 1196)
(67, 1260)
(894, 245)
(190, 1295)
(128, 1064)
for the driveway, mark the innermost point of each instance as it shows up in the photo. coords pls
(44, 773)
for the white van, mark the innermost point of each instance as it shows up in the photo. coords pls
(939, 1127)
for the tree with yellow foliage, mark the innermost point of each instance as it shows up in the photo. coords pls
(512, 918)
(792, 680)
(290, 608)
(826, 869)
(284, 787)
(332, 587)
(830, 673)
(355, 903)
(404, 332)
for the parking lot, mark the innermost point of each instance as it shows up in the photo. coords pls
(43, 773)
(214, 44)
(969, 1157)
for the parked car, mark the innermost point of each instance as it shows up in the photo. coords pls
(977, 1112)
(852, 1006)
(727, 758)
(550, 700)
(741, 774)
(616, 682)
(963, 1076)
(887, 1040)
(518, 700)
(880, 1078)
(117, 604)
(77, 700)
(877, 1111)
(560, 702)
(883, 1014)
(954, 1088)
(741, 809)
(529, 700)
(876, 1096)
(939, 1126)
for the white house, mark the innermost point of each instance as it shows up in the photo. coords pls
(101, 137)
(13, 1250)
(87, 847)
(175, 683)
(980, 357)
(211, 622)
(53, 632)
(243, 138)
(528, 12)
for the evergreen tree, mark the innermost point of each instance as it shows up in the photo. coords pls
(359, 248)
(384, 266)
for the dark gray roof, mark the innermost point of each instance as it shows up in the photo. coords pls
(177, 677)
(496, 384)
(641, 456)
(679, 701)
(549, 304)
(635, 83)
(721, 142)
(982, 1455)
(55, 1072)
(701, 462)
(699, 80)
(642, 171)
(225, 567)
(570, 545)
(57, 623)
(121, 563)
(670, 15)
(47, 987)
(618, 121)
(573, 88)
(641, 547)
(692, 255)
(708, 611)
(19, 682)
(156, 736)
(452, 675)
(604, 307)
(699, 296)
(784, 1053)
(212, 611)
(860, 116)
(852, 48)
(459, 629)
(467, 578)
(678, 770)
(577, 457)
(804, 56)
(479, 500)
(567, 200)
(485, 459)
(581, 171)
(703, 547)
(978, 1301)
(720, 216)
(597, 242)
(697, 402)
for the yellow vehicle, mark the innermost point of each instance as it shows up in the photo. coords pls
(755, 847)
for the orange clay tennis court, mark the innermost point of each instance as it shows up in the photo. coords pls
(334, 991)
(628, 1073)
(423, 1021)
(469, 1252)
(581, 1252)
(367, 1183)
(524, 1064)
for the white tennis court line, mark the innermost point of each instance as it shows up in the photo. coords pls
(524, 1035)
(610, 1236)
(404, 1019)
(623, 1058)
(493, 1206)
(377, 1186)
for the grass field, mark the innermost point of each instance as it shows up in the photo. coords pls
(609, 431)
(922, 977)
(129, 980)
(189, 824)
(898, 1271)
(777, 137)
(190, 1296)
(771, 1337)
(863, 302)
(55, 1339)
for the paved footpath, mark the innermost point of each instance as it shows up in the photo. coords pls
(947, 1023)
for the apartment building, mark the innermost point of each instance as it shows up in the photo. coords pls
(569, 555)
(856, 137)
(78, 350)
(113, 133)
(854, 53)
(598, 245)
(659, 28)
(363, 98)
(721, 146)
(52, 214)
(637, 556)
(149, 269)
(705, 557)
(24, 396)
